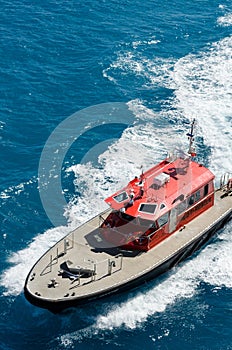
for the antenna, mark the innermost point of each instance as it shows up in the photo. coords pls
(190, 135)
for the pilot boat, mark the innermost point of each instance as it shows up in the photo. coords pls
(157, 220)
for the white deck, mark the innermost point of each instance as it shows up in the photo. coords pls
(81, 252)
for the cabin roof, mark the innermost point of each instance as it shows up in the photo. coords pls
(160, 188)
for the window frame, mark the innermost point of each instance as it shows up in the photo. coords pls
(119, 194)
(147, 212)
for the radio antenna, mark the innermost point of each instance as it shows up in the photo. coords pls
(190, 135)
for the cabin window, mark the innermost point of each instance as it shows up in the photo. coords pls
(121, 197)
(191, 200)
(148, 208)
(163, 220)
(206, 190)
(162, 206)
(197, 196)
(154, 225)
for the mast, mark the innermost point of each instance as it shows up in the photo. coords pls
(190, 135)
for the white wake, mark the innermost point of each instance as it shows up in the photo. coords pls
(202, 90)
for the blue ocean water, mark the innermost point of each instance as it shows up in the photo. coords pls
(167, 62)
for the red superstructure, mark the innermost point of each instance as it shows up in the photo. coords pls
(158, 202)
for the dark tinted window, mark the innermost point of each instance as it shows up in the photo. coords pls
(121, 197)
(197, 196)
(206, 189)
(191, 200)
(148, 208)
(163, 220)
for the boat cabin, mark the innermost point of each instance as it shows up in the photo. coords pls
(157, 203)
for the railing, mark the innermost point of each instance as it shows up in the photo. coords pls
(100, 269)
(54, 260)
(101, 220)
(112, 263)
(224, 179)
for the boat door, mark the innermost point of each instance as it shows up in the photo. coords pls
(173, 220)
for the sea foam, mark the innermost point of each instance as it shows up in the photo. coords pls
(201, 84)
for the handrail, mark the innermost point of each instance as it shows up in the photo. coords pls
(120, 255)
(224, 179)
(49, 265)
